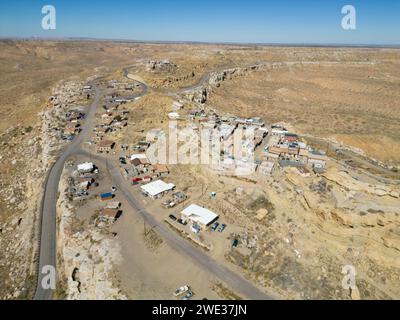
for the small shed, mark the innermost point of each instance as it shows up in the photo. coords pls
(106, 196)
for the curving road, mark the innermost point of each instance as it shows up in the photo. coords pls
(48, 226)
(48, 238)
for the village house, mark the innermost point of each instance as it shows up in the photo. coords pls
(157, 189)
(84, 183)
(161, 170)
(278, 130)
(140, 164)
(199, 216)
(107, 121)
(293, 149)
(176, 106)
(303, 153)
(271, 156)
(291, 163)
(258, 122)
(317, 158)
(74, 115)
(68, 131)
(105, 146)
(110, 214)
(139, 161)
(144, 144)
(100, 130)
(114, 205)
(278, 150)
(87, 167)
(120, 124)
(290, 138)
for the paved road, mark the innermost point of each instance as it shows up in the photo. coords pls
(178, 243)
(48, 229)
(48, 241)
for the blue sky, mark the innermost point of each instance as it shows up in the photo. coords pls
(250, 21)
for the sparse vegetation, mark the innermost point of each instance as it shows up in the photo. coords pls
(225, 293)
(261, 203)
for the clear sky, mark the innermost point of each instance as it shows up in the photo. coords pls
(249, 21)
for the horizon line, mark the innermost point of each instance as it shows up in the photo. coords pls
(234, 43)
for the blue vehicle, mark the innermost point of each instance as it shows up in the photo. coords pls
(214, 226)
(222, 227)
(188, 296)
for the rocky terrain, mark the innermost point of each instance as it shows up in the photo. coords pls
(86, 255)
(27, 154)
(296, 233)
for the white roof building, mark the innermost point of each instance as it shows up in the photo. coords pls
(173, 116)
(279, 131)
(199, 215)
(157, 188)
(177, 105)
(138, 156)
(86, 167)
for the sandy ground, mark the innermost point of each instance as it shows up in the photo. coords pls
(149, 268)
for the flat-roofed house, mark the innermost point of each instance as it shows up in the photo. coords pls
(303, 153)
(161, 170)
(199, 215)
(317, 158)
(278, 150)
(105, 146)
(71, 129)
(114, 205)
(157, 189)
(87, 167)
(139, 160)
(101, 130)
(110, 214)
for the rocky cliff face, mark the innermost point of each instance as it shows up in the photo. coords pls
(26, 156)
(86, 257)
(200, 93)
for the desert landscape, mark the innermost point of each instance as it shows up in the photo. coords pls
(324, 192)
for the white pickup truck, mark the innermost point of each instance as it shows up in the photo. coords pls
(181, 291)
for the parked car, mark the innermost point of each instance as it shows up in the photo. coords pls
(184, 223)
(169, 204)
(172, 217)
(214, 226)
(181, 291)
(222, 227)
(122, 160)
(188, 296)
